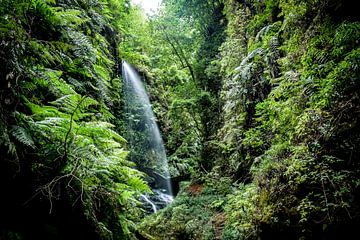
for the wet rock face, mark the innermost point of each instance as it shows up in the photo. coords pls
(156, 201)
(145, 142)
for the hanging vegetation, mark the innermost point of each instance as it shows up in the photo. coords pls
(257, 102)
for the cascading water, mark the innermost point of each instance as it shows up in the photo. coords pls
(147, 200)
(146, 145)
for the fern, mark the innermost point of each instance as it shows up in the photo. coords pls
(71, 17)
(77, 84)
(52, 54)
(22, 135)
(83, 49)
(5, 140)
(67, 103)
(249, 57)
(93, 144)
(56, 85)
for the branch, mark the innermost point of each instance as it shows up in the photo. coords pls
(179, 52)
(173, 46)
(326, 200)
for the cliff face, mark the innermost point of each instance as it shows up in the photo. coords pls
(258, 103)
(284, 161)
(295, 104)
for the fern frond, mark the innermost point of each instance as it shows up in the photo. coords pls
(53, 128)
(79, 86)
(67, 103)
(52, 80)
(108, 144)
(258, 51)
(103, 89)
(83, 49)
(6, 141)
(89, 153)
(71, 17)
(102, 129)
(55, 121)
(22, 135)
(138, 183)
(87, 102)
(40, 112)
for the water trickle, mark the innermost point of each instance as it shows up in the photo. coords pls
(147, 200)
(146, 145)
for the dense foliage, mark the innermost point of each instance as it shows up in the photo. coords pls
(275, 104)
(258, 104)
(64, 173)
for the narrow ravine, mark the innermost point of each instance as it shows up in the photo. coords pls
(179, 119)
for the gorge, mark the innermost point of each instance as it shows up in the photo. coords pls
(203, 120)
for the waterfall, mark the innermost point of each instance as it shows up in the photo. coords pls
(146, 145)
